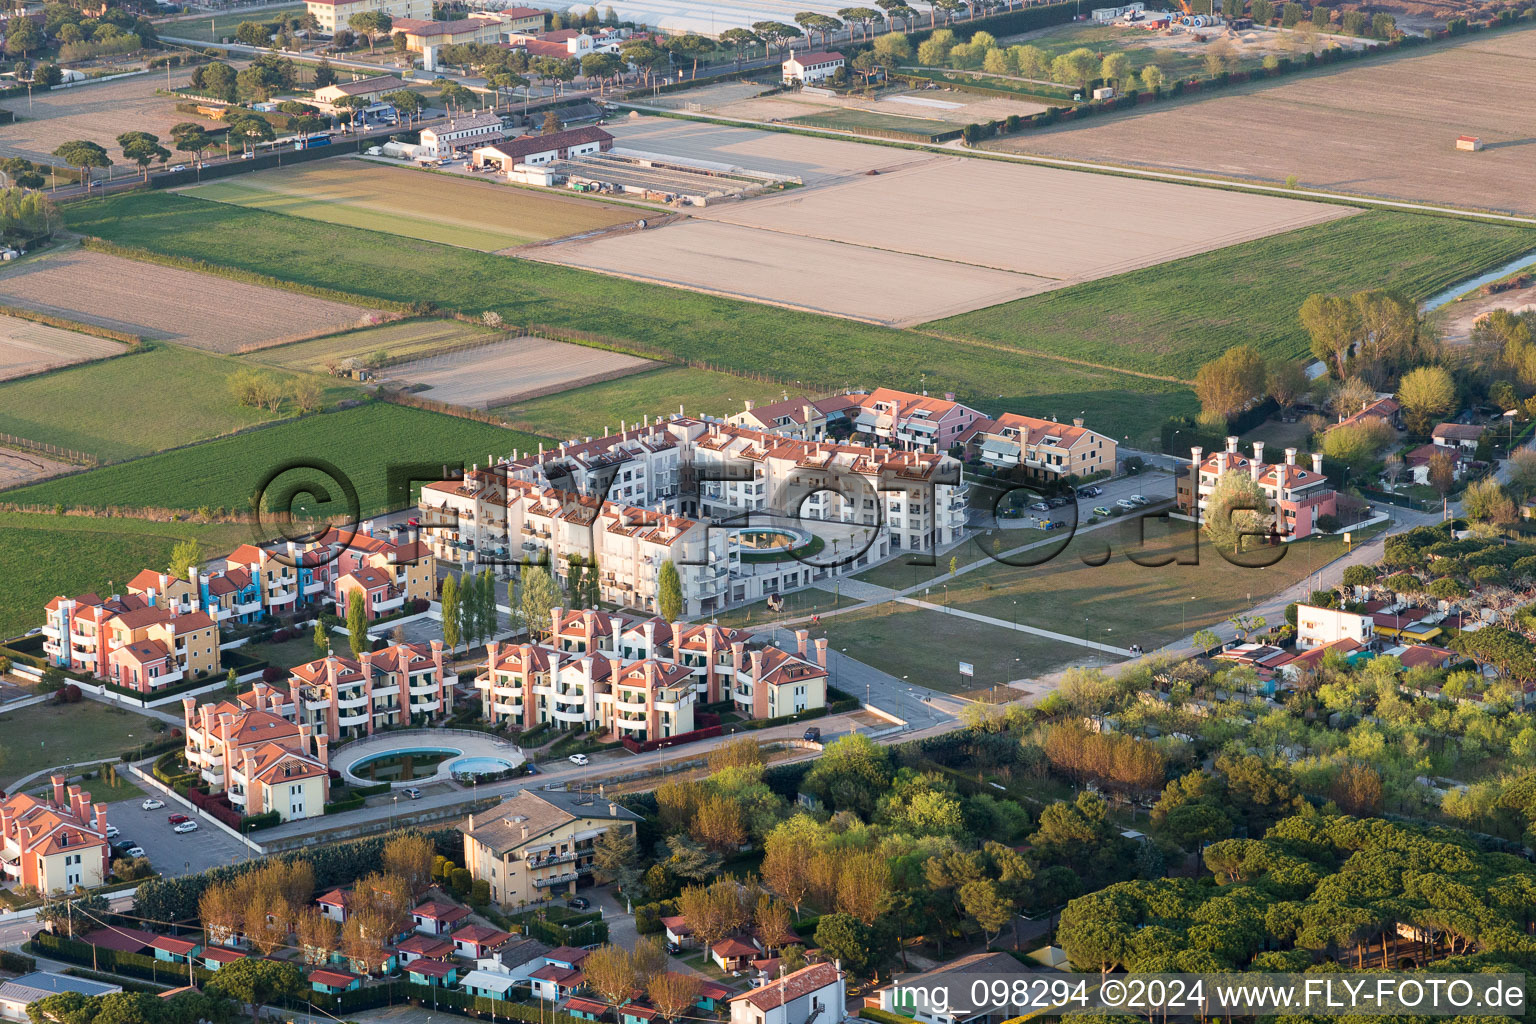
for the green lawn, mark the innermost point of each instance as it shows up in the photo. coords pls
(136, 404)
(658, 392)
(50, 555)
(213, 28)
(729, 335)
(1171, 318)
(47, 735)
(866, 120)
(405, 338)
(363, 443)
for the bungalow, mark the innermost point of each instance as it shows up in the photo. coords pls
(479, 940)
(435, 917)
(428, 947)
(120, 939)
(815, 993)
(16, 994)
(679, 931)
(174, 950)
(586, 1009)
(517, 960)
(733, 954)
(1384, 409)
(489, 984)
(215, 957)
(433, 972)
(1309, 660)
(711, 994)
(334, 905)
(1423, 656)
(637, 1013)
(555, 981)
(1459, 435)
(1417, 461)
(333, 982)
(1411, 625)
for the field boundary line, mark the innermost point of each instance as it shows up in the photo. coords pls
(1113, 170)
(999, 347)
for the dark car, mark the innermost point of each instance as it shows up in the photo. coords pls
(813, 734)
(578, 903)
(1057, 502)
(674, 949)
(1089, 492)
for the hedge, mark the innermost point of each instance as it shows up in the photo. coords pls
(16, 963)
(765, 723)
(135, 965)
(351, 803)
(883, 1016)
(256, 822)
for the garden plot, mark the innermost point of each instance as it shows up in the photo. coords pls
(27, 347)
(168, 304)
(515, 368)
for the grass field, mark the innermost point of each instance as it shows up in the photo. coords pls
(869, 120)
(49, 555)
(1171, 318)
(659, 392)
(46, 735)
(215, 27)
(445, 208)
(400, 340)
(789, 345)
(363, 443)
(110, 408)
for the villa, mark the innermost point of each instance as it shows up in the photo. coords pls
(54, 845)
(534, 846)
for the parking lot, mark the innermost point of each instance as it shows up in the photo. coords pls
(171, 853)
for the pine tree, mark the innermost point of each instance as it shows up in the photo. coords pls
(450, 611)
(357, 623)
(594, 585)
(574, 581)
(488, 603)
(321, 636)
(469, 611)
(669, 592)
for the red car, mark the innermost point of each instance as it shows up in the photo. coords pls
(177, 819)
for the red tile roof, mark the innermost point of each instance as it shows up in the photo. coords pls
(326, 976)
(791, 987)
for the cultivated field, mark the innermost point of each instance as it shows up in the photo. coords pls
(451, 209)
(167, 303)
(97, 113)
(504, 371)
(1387, 129)
(27, 347)
(18, 467)
(396, 340)
(85, 408)
(795, 271)
(362, 443)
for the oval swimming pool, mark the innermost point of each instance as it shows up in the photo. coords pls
(403, 765)
(480, 766)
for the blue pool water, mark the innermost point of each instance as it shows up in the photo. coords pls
(479, 765)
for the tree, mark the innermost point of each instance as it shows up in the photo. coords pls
(738, 39)
(1205, 640)
(1220, 57)
(851, 774)
(249, 129)
(610, 971)
(1285, 380)
(673, 993)
(1236, 508)
(449, 605)
(82, 155)
(984, 904)
(551, 123)
(669, 592)
(1077, 68)
(614, 857)
(1426, 394)
(784, 869)
(775, 33)
(1230, 383)
(687, 859)
(405, 101)
(80, 911)
(217, 80)
(256, 982)
(1333, 324)
(306, 391)
(1115, 69)
(410, 858)
(539, 597)
(184, 556)
(845, 938)
(1152, 78)
(357, 624)
(1440, 471)
(371, 25)
(469, 610)
(319, 936)
(192, 138)
(601, 67)
(22, 37)
(1486, 502)
(324, 75)
(1357, 444)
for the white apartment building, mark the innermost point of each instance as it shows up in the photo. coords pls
(1299, 496)
(1318, 627)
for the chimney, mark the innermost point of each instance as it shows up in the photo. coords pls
(58, 789)
(650, 638)
(188, 705)
(1290, 456)
(101, 819)
(525, 831)
(1221, 462)
(1077, 421)
(491, 647)
(1232, 443)
(555, 615)
(1258, 452)
(821, 651)
(802, 636)
(304, 739)
(1196, 454)
(749, 405)
(322, 749)
(1255, 468)
(1317, 463)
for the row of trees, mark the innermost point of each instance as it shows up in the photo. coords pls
(262, 390)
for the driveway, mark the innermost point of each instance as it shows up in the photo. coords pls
(173, 853)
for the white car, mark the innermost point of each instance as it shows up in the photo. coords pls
(152, 804)
(112, 832)
(577, 759)
(178, 167)
(135, 851)
(186, 826)
(1127, 503)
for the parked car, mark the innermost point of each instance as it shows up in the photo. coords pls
(1089, 492)
(152, 804)
(178, 167)
(578, 903)
(1100, 510)
(186, 826)
(412, 792)
(813, 734)
(1127, 503)
(1057, 502)
(177, 819)
(1140, 499)
(1040, 506)
(674, 949)
(133, 851)
(112, 832)
(577, 759)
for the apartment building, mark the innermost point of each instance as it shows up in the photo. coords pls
(641, 679)
(336, 14)
(800, 418)
(916, 422)
(128, 641)
(464, 131)
(422, 33)
(1318, 627)
(1299, 496)
(535, 846)
(343, 698)
(257, 755)
(810, 68)
(56, 844)
(1046, 449)
(75, 634)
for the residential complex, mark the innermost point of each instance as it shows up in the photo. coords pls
(402, 684)
(1044, 449)
(129, 642)
(1299, 496)
(536, 845)
(336, 14)
(56, 844)
(254, 753)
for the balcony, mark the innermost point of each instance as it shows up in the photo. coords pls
(633, 707)
(361, 719)
(175, 675)
(423, 707)
(424, 689)
(82, 641)
(553, 858)
(564, 879)
(507, 709)
(570, 716)
(391, 604)
(52, 650)
(317, 705)
(314, 588)
(630, 726)
(277, 597)
(51, 630)
(360, 700)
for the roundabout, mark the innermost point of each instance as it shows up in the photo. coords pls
(416, 756)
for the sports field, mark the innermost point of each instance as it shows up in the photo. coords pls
(850, 120)
(213, 28)
(27, 347)
(397, 341)
(1385, 128)
(446, 208)
(503, 371)
(114, 409)
(167, 303)
(364, 444)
